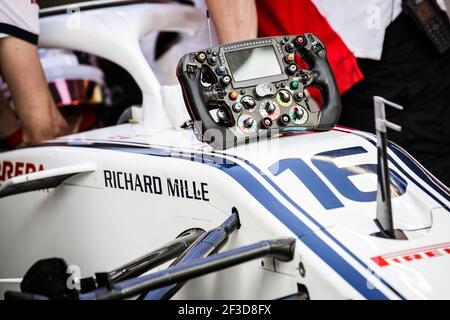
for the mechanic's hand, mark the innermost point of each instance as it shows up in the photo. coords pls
(21, 68)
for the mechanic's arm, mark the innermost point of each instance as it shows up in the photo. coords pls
(22, 71)
(234, 20)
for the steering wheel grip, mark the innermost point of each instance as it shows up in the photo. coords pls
(326, 83)
(211, 132)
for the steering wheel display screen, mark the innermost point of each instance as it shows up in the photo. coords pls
(253, 63)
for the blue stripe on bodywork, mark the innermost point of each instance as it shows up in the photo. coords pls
(325, 231)
(417, 170)
(314, 221)
(276, 208)
(411, 165)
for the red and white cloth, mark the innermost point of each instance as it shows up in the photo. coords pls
(20, 19)
(302, 16)
(360, 24)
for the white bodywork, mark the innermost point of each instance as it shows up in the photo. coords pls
(284, 187)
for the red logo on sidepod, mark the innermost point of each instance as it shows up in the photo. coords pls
(412, 255)
(10, 169)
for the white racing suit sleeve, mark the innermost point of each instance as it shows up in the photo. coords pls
(20, 19)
